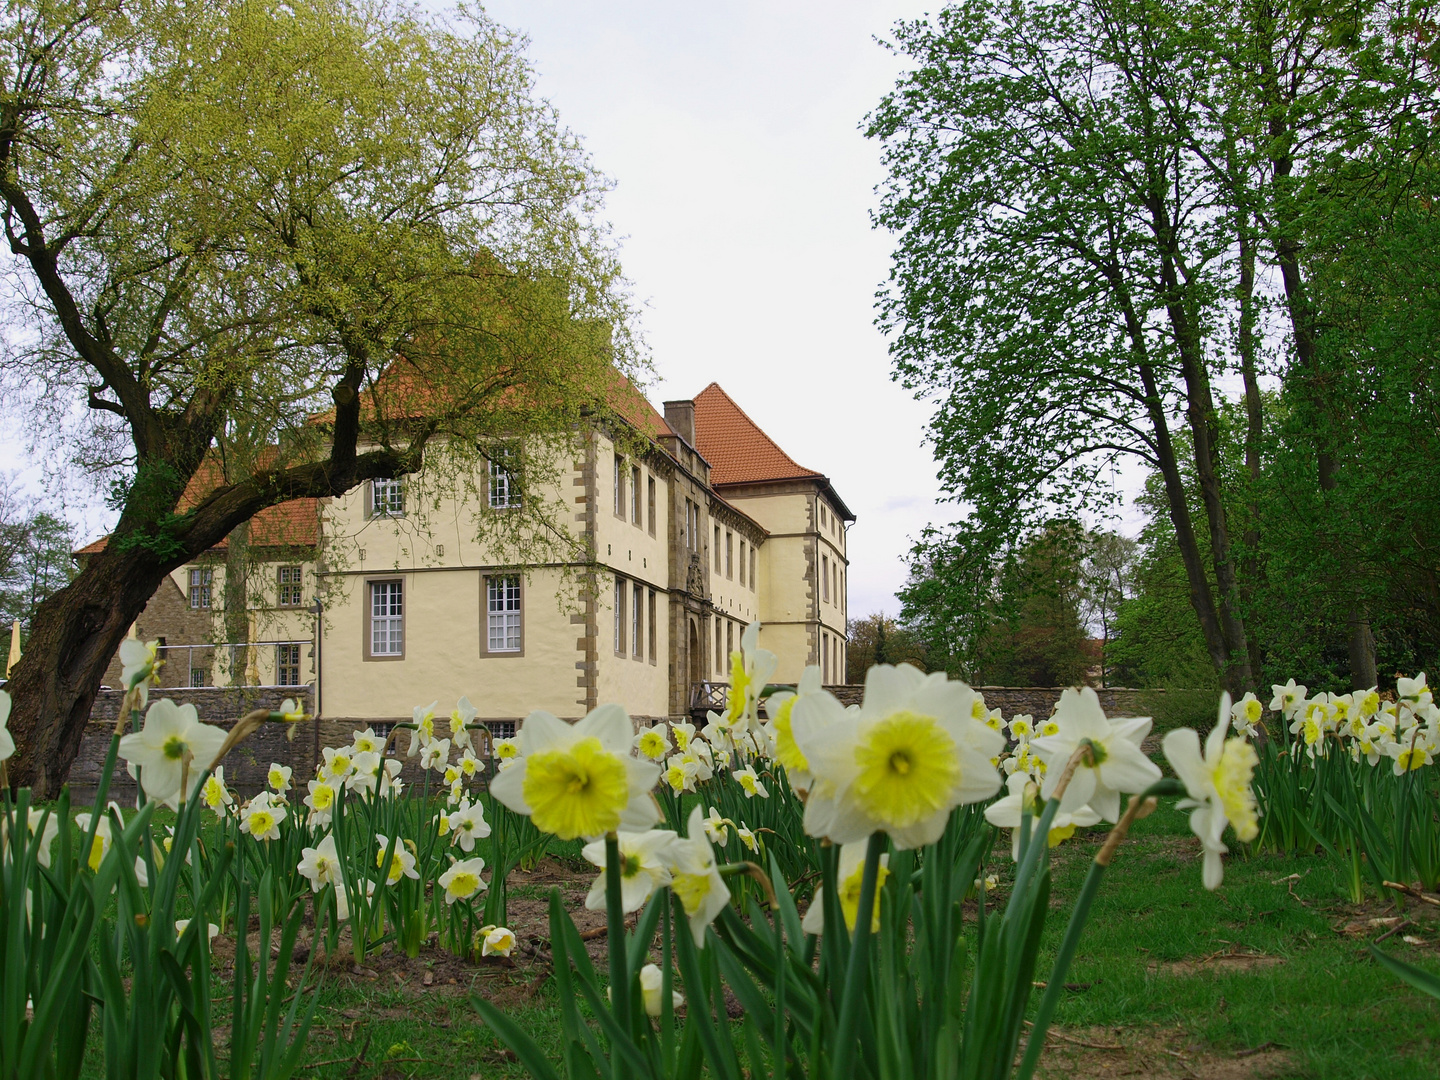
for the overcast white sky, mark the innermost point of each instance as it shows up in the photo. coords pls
(743, 186)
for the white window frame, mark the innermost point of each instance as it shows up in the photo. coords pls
(504, 614)
(387, 497)
(637, 621)
(283, 663)
(291, 578)
(635, 489)
(201, 579)
(386, 628)
(504, 485)
(619, 615)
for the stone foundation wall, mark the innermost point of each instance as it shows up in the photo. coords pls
(1168, 707)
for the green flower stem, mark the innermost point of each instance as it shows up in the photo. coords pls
(859, 959)
(615, 939)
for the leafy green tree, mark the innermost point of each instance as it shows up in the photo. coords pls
(879, 639)
(279, 249)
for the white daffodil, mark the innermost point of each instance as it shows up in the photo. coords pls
(462, 880)
(1117, 763)
(781, 709)
(1218, 783)
(1009, 813)
(469, 824)
(391, 786)
(746, 837)
(1367, 705)
(581, 779)
(402, 861)
(320, 865)
(339, 762)
(849, 879)
(1412, 692)
(1245, 714)
(695, 877)
(750, 783)
(435, 754)
(321, 802)
(900, 763)
(1412, 751)
(101, 844)
(505, 749)
(702, 757)
(652, 985)
(1021, 727)
(452, 775)
(261, 817)
(683, 734)
(215, 795)
(717, 731)
(159, 749)
(7, 741)
(680, 773)
(750, 669)
(461, 717)
(1288, 698)
(279, 778)
(46, 839)
(211, 930)
(1311, 722)
(642, 868)
(456, 794)
(470, 765)
(424, 730)
(364, 772)
(653, 743)
(498, 941)
(715, 826)
(366, 741)
(137, 664)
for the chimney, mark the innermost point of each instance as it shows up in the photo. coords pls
(680, 415)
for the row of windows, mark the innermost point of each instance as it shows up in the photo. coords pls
(728, 566)
(287, 667)
(289, 578)
(387, 497)
(503, 632)
(832, 659)
(829, 520)
(631, 487)
(832, 580)
(635, 613)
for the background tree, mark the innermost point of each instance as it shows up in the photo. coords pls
(35, 560)
(336, 224)
(879, 639)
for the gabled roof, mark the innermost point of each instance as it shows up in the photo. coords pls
(738, 451)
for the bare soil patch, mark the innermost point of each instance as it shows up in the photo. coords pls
(1229, 959)
(1153, 1054)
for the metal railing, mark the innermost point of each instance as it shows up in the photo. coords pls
(237, 649)
(708, 695)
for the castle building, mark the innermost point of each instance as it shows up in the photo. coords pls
(697, 522)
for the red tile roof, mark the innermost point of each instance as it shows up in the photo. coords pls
(738, 451)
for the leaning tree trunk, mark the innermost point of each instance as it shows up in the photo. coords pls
(82, 625)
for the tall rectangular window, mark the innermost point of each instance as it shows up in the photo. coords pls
(650, 488)
(824, 658)
(504, 478)
(200, 579)
(729, 637)
(287, 664)
(637, 622)
(753, 583)
(717, 549)
(729, 554)
(620, 615)
(619, 486)
(387, 498)
(502, 614)
(721, 659)
(653, 634)
(290, 583)
(742, 562)
(200, 676)
(387, 618)
(635, 495)
(825, 577)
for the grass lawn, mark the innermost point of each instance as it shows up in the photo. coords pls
(1268, 977)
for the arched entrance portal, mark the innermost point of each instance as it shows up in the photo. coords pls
(694, 666)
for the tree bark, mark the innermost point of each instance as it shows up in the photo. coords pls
(237, 616)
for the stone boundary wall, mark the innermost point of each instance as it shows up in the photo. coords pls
(1040, 701)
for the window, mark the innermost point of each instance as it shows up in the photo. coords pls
(620, 616)
(502, 614)
(717, 549)
(720, 657)
(619, 486)
(729, 638)
(200, 579)
(200, 676)
(742, 562)
(287, 664)
(637, 622)
(753, 582)
(825, 577)
(387, 619)
(692, 526)
(290, 588)
(504, 480)
(387, 498)
(501, 729)
(822, 514)
(635, 495)
(824, 658)
(652, 627)
(650, 488)
(729, 554)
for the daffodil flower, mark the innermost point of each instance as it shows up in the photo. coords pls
(505, 749)
(366, 742)
(652, 984)
(402, 861)
(747, 838)
(750, 669)
(1245, 714)
(339, 762)
(581, 779)
(461, 717)
(682, 734)
(462, 880)
(781, 708)
(279, 778)
(471, 765)
(642, 868)
(1288, 698)
(424, 730)
(320, 801)
(320, 865)
(849, 878)
(261, 817)
(750, 783)
(159, 749)
(652, 743)
(435, 754)
(1311, 722)
(1412, 752)
(211, 930)
(1021, 727)
(290, 711)
(695, 878)
(1024, 797)
(214, 794)
(100, 846)
(680, 772)
(899, 764)
(391, 786)
(1218, 783)
(7, 741)
(498, 941)
(137, 664)
(469, 825)
(364, 770)
(715, 826)
(1116, 763)
(47, 838)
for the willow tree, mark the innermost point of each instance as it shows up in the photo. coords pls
(316, 242)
